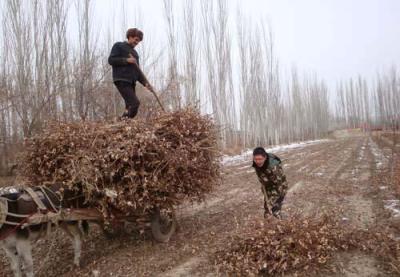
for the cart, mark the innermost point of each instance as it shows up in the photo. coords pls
(161, 221)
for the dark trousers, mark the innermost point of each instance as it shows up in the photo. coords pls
(275, 209)
(128, 93)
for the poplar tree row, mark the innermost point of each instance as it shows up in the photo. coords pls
(209, 56)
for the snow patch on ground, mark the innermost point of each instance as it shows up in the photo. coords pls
(393, 206)
(243, 167)
(296, 187)
(301, 169)
(319, 174)
(230, 160)
(362, 150)
(380, 159)
(245, 156)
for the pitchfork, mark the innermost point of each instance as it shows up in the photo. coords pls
(149, 87)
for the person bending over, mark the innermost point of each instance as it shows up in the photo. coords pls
(273, 181)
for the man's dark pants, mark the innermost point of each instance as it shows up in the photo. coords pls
(128, 93)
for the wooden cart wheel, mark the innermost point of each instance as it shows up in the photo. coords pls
(3, 210)
(163, 224)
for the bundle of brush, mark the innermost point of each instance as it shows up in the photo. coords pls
(132, 165)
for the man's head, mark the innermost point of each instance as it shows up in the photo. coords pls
(134, 36)
(259, 156)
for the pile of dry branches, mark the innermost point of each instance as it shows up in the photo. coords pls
(302, 246)
(132, 165)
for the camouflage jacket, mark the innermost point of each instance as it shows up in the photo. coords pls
(271, 177)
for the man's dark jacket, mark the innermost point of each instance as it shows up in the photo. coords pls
(121, 69)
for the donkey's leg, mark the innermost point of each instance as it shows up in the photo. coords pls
(9, 246)
(24, 249)
(77, 243)
(74, 232)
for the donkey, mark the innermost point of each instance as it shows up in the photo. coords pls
(16, 239)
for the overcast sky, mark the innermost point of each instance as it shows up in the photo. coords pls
(336, 39)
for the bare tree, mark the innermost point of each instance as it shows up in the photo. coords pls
(218, 63)
(190, 67)
(173, 84)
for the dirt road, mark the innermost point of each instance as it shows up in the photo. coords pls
(324, 175)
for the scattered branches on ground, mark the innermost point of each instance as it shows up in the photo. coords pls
(301, 246)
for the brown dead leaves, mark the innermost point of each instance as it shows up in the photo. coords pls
(301, 247)
(131, 165)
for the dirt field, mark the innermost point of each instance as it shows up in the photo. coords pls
(339, 172)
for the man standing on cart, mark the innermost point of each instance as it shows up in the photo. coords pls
(125, 70)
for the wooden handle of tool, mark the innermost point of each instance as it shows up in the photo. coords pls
(151, 87)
